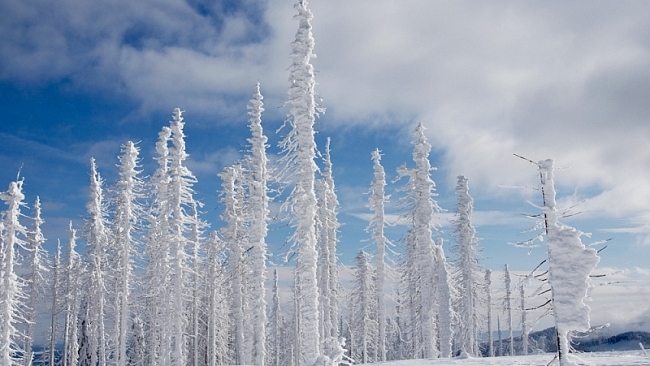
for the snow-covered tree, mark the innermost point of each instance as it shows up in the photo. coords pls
(37, 280)
(507, 304)
(97, 240)
(71, 300)
(328, 225)
(488, 290)
(217, 341)
(299, 149)
(195, 287)
(444, 301)
(256, 181)
(363, 316)
(569, 265)
(12, 236)
(156, 252)
(55, 290)
(376, 201)
(181, 200)
(128, 214)
(419, 266)
(233, 235)
(467, 273)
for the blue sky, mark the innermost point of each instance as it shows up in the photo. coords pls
(549, 79)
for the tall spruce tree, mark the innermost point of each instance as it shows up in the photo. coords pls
(72, 283)
(37, 280)
(128, 215)
(97, 240)
(299, 149)
(256, 181)
(181, 200)
(328, 283)
(156, 253)
(376, 202)
(363, 308)
(233, 235)
(12, 236)
(419, 269)
(467, 273)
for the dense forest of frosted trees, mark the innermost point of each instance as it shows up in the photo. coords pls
(156, 286)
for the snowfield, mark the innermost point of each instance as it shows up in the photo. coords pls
(622, 358)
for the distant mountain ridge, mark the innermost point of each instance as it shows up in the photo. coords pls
(598, 340)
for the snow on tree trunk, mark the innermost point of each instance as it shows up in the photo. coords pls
(258, 208)
(488, 290)
(524, 327)
(569, 265)
(468, 272)
(97, 242)
(376, 203)
(299, 150)
(443, 294)
(420, 257)
(12, 236)
(507, 303)
(499, 336)
(128, 214)
(275, 325)
(37, 280)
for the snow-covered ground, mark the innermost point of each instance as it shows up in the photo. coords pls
(624, 358)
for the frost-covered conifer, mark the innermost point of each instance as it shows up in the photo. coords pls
(233, 235)
(128, 214)
(55, 290)
(12, 237)
(328, 225)
(256, 181)
(156, 252)
(299, 149)
(467, 273)
(569, 265)
(71, 278)
(181, 200)
(377, 200)
(37, 281)
(195, 288)
(419, 268)
(363, 316)
(97, 240)
(443, 297)
(217, 341)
